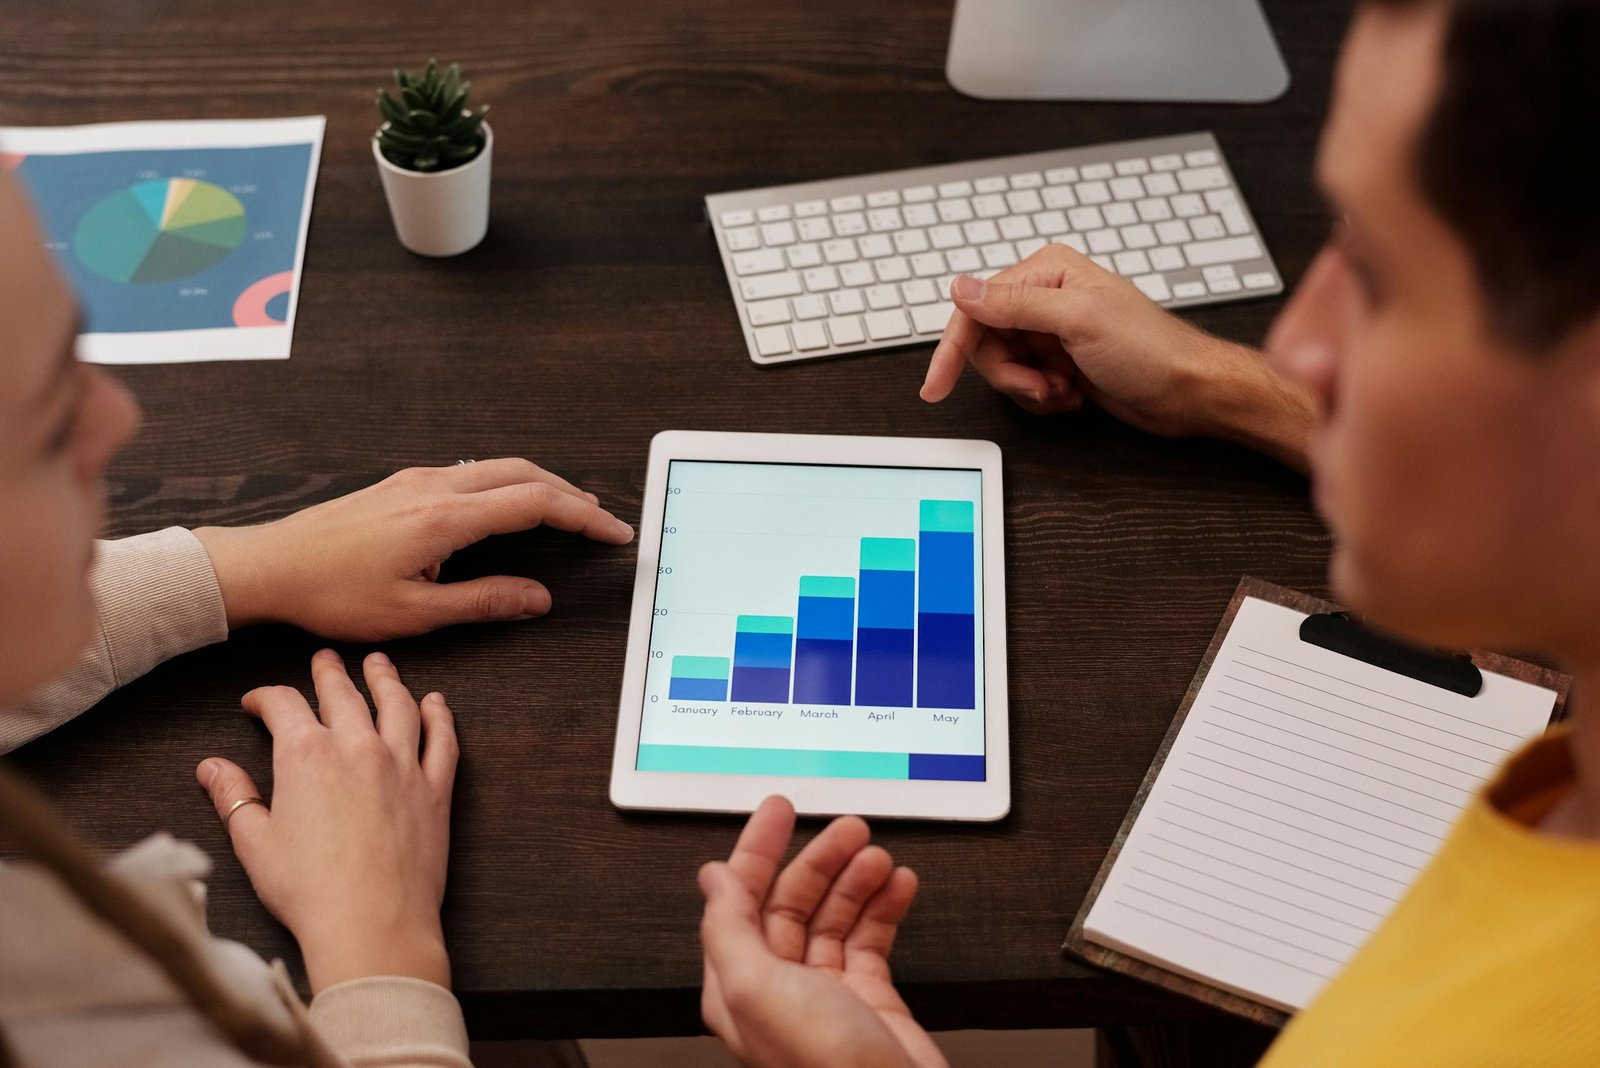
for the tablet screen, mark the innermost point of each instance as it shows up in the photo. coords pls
(817, 620)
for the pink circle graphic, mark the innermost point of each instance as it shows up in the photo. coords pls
(251, 307)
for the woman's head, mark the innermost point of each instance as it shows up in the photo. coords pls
(60, 423)
(1452, 326)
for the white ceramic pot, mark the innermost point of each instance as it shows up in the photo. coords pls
(439, 213)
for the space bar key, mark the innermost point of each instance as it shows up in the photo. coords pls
(1223, 250)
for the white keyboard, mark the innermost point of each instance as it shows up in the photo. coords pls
(856, 264)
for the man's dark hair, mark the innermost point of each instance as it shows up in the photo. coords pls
(1510, 157)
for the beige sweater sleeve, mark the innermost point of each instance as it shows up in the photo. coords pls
(157, 597)
(391, 1021)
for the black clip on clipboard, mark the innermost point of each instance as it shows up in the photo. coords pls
(1337, 632)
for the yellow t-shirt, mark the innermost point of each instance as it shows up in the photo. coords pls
(1492, 958)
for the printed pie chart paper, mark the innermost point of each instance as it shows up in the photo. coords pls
(183, 241)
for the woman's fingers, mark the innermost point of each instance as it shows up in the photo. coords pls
(283, 709)
(509, 509)
(875, 930)
(480, 600)
(761, 845)
(440, 750)
(340, 705)
(228, 784)
(506, 471)
(839, 911)
(806, 881)
(399, 720)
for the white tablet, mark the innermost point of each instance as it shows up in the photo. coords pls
(819, 617)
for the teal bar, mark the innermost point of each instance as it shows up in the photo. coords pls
(949, 517)
(825, 586)
(889, 554)
(815, 763)
(765, 625)
(700, 667)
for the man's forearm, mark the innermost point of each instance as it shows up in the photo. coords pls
(1248, 402)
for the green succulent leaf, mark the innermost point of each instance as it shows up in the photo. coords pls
(429, 123)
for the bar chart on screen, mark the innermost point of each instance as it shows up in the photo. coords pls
(817, 620)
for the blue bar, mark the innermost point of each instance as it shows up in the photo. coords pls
(698, 690)
(766, 685)
(947, 644)
(824, 645)
(822, 671)
(884, 662)
(945, 571)
(760, 650)
(949, 767)
(946, 661)
(832, 618)
(888, 600)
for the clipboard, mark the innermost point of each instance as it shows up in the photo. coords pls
(1337, 632)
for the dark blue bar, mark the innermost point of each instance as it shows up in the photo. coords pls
(768, 685)
(821, 670)
(753, 649)
(946, 661)
(832, 618)
(945, 573)
(946, 766)
(884, 660)
(698, 690)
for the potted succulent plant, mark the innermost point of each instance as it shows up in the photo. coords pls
(434, 154)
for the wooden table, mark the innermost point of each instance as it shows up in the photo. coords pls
(595, 314)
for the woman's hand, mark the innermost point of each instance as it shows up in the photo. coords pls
(351, 854)
(364, 567)
(796, 963)
(1057, 329)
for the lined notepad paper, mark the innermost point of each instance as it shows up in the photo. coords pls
(1303, 794)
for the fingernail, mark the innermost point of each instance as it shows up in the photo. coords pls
(968, 288)
(208, 771)
(535, 602)
(381, 660)
(436, 697)
(624, 530)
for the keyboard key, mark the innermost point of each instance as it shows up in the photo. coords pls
(809, 336)
(884, 325)
(1023, 201)
(928, 264)
(1027, 180)
(850, 224)
(1127, 188)
(1233, 218)
(767, 312)
(813, 229)
(1105, 241)
(918, 291)
(893, 269)
(1154, 286)
(1059, 196)
(1132, 263)
(874, 245)
(1029, 246)
(919, 194)
(810, 209)
(1015, 227)
(955, 189)
(846, 302)
(1097, 171)
(1223, 285)
(1139, 235)
(1160, 185)
(773, 213)
(953, 211)
(981, 232)
(963, 260)
(1062, 176)
(907, 242)
(847, 203)
(946, 237)
(1189, 290)
(1260, 280)
(1226, 250)
(802, 256)
(1132, 166)
(884, 198)
(1167, 163)
(842, 250)
(765, 286)
(880, 297)
(759, 262)
(821, 280)
(745, 237)
(1202, 157)
(882, 220)
(1076, 242)
(920, 214)
(1154, 209)
(772, 341)
(846, 331)
(1120, 214)
(1050, 223)
(856, 274)
(1093, 192)
(1174, 232)
(738, 218)
(1000, 254)
(1218, 272)
(809, 308)
(1188, 205)
(1206, 227)
(932, 318)
(1167, 259)
(1086, 218)
(1200, 178)
(989, 185)
(990, 206)
(778, 234)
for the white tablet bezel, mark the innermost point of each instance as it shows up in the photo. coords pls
(895, 798)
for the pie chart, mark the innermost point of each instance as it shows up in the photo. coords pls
(160, 231)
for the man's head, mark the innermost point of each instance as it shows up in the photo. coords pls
(60, 423)
(1452, 325)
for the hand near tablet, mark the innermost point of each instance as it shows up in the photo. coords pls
(796, 962)
(363, 567)
(1057, 329)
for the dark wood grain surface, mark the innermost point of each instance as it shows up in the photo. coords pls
(594, 315)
